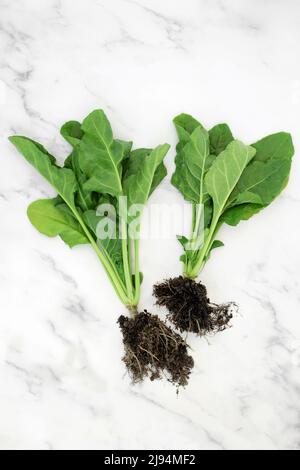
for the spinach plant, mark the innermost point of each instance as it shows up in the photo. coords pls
(225, 181)
(100, 173)
(100, 169)
(228, 180)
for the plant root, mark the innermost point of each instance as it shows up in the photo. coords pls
(152, 349)
(189, 307)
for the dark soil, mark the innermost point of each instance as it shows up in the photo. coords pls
(189, 307)
(152, 349)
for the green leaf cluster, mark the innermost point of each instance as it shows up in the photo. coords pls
(99, 169)
(225, 180)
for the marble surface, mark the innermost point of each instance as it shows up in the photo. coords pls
(62, 383)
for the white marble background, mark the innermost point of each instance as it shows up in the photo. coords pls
(62, 385)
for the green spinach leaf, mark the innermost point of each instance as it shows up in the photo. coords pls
(144, 174)
(52, 220)
(72, 132)
(224, 174)
(219, 137)
(62, 179)
(192, 162)
(100, 156)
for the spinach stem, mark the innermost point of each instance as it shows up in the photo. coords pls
(137, 272)
(201, 258)
(196, 221)
(128, 277)
(129, 245)
(114, 278)
(194, 212)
